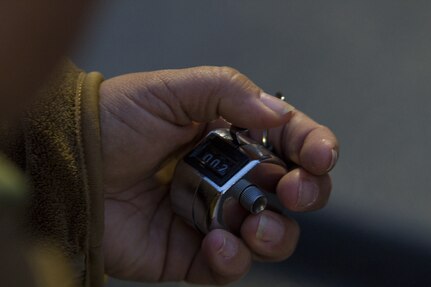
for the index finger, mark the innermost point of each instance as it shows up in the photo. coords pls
(203, 94)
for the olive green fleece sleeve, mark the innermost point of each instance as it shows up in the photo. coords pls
(57, 143)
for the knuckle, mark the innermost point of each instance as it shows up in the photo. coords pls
(232, 77)
(228, 73)
(236, 82)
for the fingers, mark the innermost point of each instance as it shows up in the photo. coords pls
(223, 258)
(203, 94)
(299, 190)
(271, 236)
(308, 144)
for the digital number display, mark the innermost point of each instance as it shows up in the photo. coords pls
(213, 160)
(217, 159)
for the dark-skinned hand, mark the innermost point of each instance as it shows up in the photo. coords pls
(148, 121)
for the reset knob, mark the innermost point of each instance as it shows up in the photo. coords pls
(249, 196)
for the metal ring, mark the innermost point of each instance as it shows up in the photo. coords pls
(265, 134)
(280, 96)
(265, 138)
(235, 132)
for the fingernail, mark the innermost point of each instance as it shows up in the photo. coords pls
(275, 104)
(308, 193)
(229, 248)
(334, 158)
(269, 229)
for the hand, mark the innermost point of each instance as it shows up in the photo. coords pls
(148, 121)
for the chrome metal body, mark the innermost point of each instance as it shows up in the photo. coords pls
(199, 200)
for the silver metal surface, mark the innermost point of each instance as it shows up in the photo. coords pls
(265, 138)
(200, 201)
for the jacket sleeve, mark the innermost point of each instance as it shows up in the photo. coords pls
(57, 144)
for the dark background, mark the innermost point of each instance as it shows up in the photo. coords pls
(360, 67)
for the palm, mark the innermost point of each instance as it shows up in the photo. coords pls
(138, 212)
(136, 244)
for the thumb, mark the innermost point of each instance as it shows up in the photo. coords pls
(203, 94)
